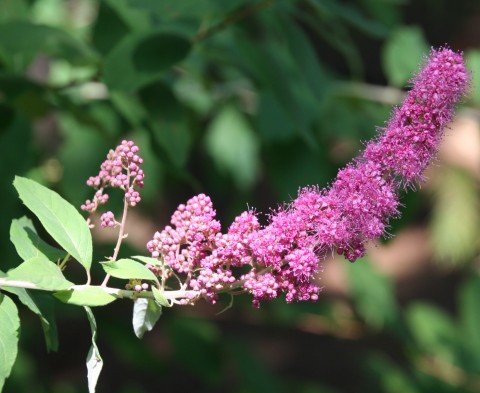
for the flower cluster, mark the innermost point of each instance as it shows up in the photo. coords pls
(285, 255)
(121, 170)
(413, 133)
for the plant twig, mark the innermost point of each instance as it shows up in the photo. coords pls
(121, 233)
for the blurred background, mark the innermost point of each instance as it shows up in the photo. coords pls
(247, 101)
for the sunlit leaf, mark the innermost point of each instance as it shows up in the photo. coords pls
(128, 269)
(60, 219)
(41, 305)
(146, 313)
(147, 260)
(94, 360)
(85, 296)
(28, 244)
(160, 298)
(41, 272)
(9, 332)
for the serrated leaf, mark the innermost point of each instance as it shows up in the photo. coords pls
(402, 53)
(60, 219)
(28, 244)
(87, 296)
(146, 313)
(160, 297)
(41, 272)
(9, 332)
(94, 360)
(128, 269)
(141, 58)
(40, 305)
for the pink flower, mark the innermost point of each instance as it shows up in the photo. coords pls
(121, 170)
(285, 255)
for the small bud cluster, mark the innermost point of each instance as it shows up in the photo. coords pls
(137, 286)
(121, 170)
(107, 219)
(284, 256)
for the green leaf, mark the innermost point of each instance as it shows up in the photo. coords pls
(455, 217)
(373, 294)
(433, 331)
(287, 80)
(160, 298)
(94, 360)
(234, 146)
(402, 53)
(20, 38)
(469, 295)
(60, 219)
(148, 260)
(272, 121)
(388, 376)
(351, 14)
(141, 58)
(128, 269)
(9, 332)
(146, 313)
(41, 305)
(473, 63)
(87, 296)
(41, 272)
(13, 10)
(25, 95)
(169, 127)
(28, 244)
(109, 28)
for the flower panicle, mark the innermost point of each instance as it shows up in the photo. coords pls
(285, 255)
(121, 169)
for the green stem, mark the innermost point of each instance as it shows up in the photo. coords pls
(117, 292)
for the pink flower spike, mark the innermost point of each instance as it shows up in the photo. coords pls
(284, 256)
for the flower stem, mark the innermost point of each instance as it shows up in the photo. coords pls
(121, 234)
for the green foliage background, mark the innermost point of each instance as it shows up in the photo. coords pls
(246, 101)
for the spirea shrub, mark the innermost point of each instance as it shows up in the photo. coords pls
(193, 259)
